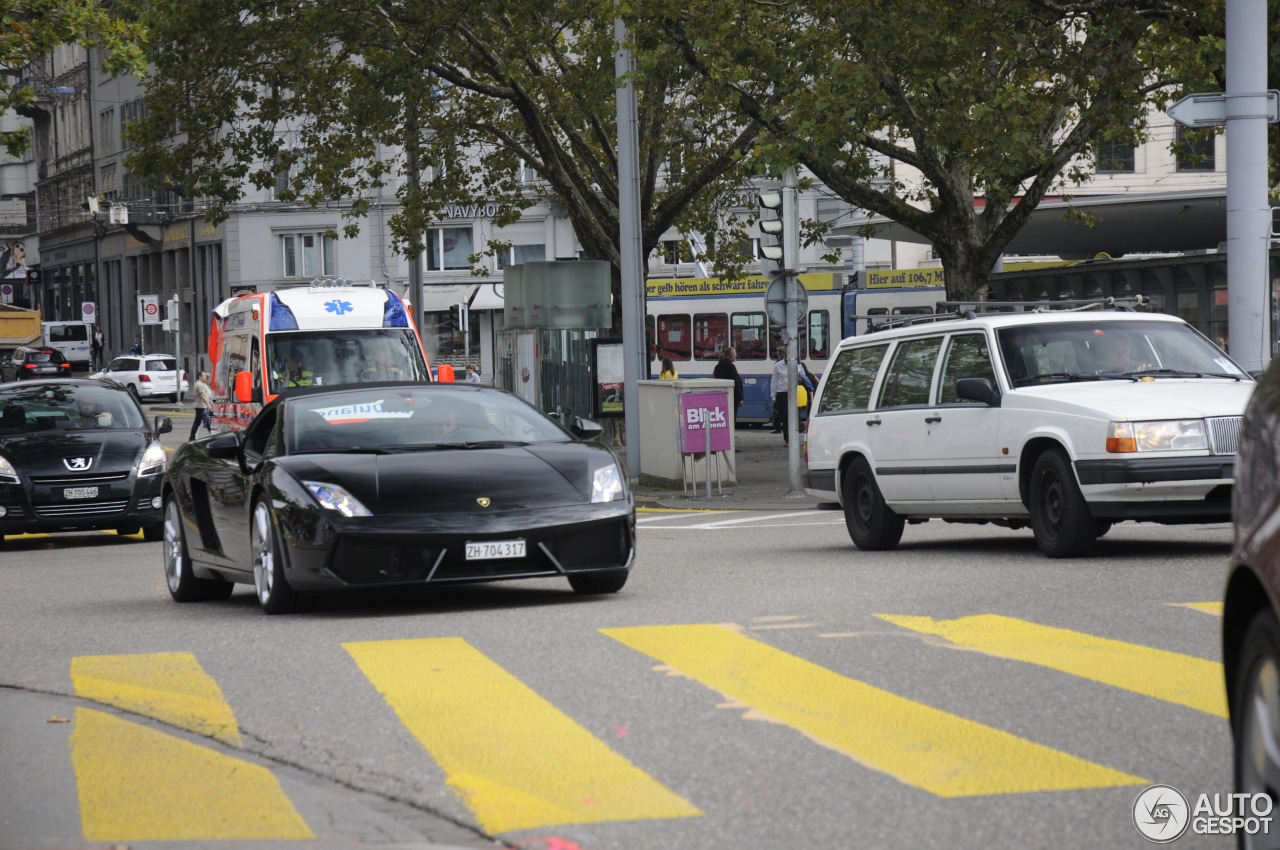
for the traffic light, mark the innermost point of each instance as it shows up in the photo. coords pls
(771, 226)
(170, 321)
(780, 222)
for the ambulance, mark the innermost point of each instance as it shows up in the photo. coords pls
(327, 333)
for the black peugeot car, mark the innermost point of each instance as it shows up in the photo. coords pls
(78, 455)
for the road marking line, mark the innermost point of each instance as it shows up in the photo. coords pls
(1169, 676)
(138, 784)
(1213, 608)
(761, 518)
(920, 746)
(516, 760)
(169, 686)
(641, 510)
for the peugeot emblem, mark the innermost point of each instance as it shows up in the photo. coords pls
(78, 464)
(483, 501)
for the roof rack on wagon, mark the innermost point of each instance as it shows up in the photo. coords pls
(949, 310)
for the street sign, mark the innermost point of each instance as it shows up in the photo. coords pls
(148, 309)
(88, 312)
(775, 300)
(1209, 109)
(6, 293)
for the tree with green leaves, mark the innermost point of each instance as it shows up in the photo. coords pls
(31, 29)
(349, 97)
(952, 118)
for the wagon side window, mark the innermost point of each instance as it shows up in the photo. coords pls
(849, 380)
(907, 384)
(967, 357)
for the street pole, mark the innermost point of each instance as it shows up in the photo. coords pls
(635, 365)
(175, 326)
(791, 263)
(1250, 315)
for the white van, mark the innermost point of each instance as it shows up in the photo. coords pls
(72, 339)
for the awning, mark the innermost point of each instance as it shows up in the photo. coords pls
(488, 297)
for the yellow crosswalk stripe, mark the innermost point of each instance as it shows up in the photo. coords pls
(1169, 676)
(137, 784)
(921, 746)
(1214, 608)
(169, 686)
(516, 760)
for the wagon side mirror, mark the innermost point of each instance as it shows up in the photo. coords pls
(978, 389)
(163, 426)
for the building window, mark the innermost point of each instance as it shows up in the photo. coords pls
(1195, 149)
(309, 254)
(108, 140)
(449, 248)
(134, 110)
(1115, 157)
(517, 254)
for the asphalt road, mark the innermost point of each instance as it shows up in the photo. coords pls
(759, 683)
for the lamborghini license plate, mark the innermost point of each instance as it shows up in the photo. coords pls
(493, 549)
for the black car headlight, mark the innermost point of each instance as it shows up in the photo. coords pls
(331, 497)
(606, 484)
(153, 460)
(8, 475)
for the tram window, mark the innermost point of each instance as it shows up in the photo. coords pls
(819, 334)
(749, 333)
(675, 337)
(650, 337)
(710, 335)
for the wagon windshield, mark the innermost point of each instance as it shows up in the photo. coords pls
(1077, 351)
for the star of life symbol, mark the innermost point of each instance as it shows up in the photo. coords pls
(1161, 814)
(77, 464)
(338, 306)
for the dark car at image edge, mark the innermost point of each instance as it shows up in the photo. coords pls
(1250, 627)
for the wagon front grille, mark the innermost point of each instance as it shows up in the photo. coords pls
(1224, 434)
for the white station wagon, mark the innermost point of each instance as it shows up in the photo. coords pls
(1064, 420)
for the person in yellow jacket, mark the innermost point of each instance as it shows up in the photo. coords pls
(668, 372)
(295, 375)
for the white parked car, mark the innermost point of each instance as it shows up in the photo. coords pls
(148, 376)
(1064, 421)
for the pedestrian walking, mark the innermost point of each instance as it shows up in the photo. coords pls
(203, 397)
(95, 348)
(726, 371)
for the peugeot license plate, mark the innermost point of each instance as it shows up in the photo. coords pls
(80, 493)
(492, 549)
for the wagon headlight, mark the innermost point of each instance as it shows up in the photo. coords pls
(334, 498)
(606, 484)
(8, 475)
(153, 461)
(1157, 436)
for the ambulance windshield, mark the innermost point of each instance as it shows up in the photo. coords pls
(327, 358)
